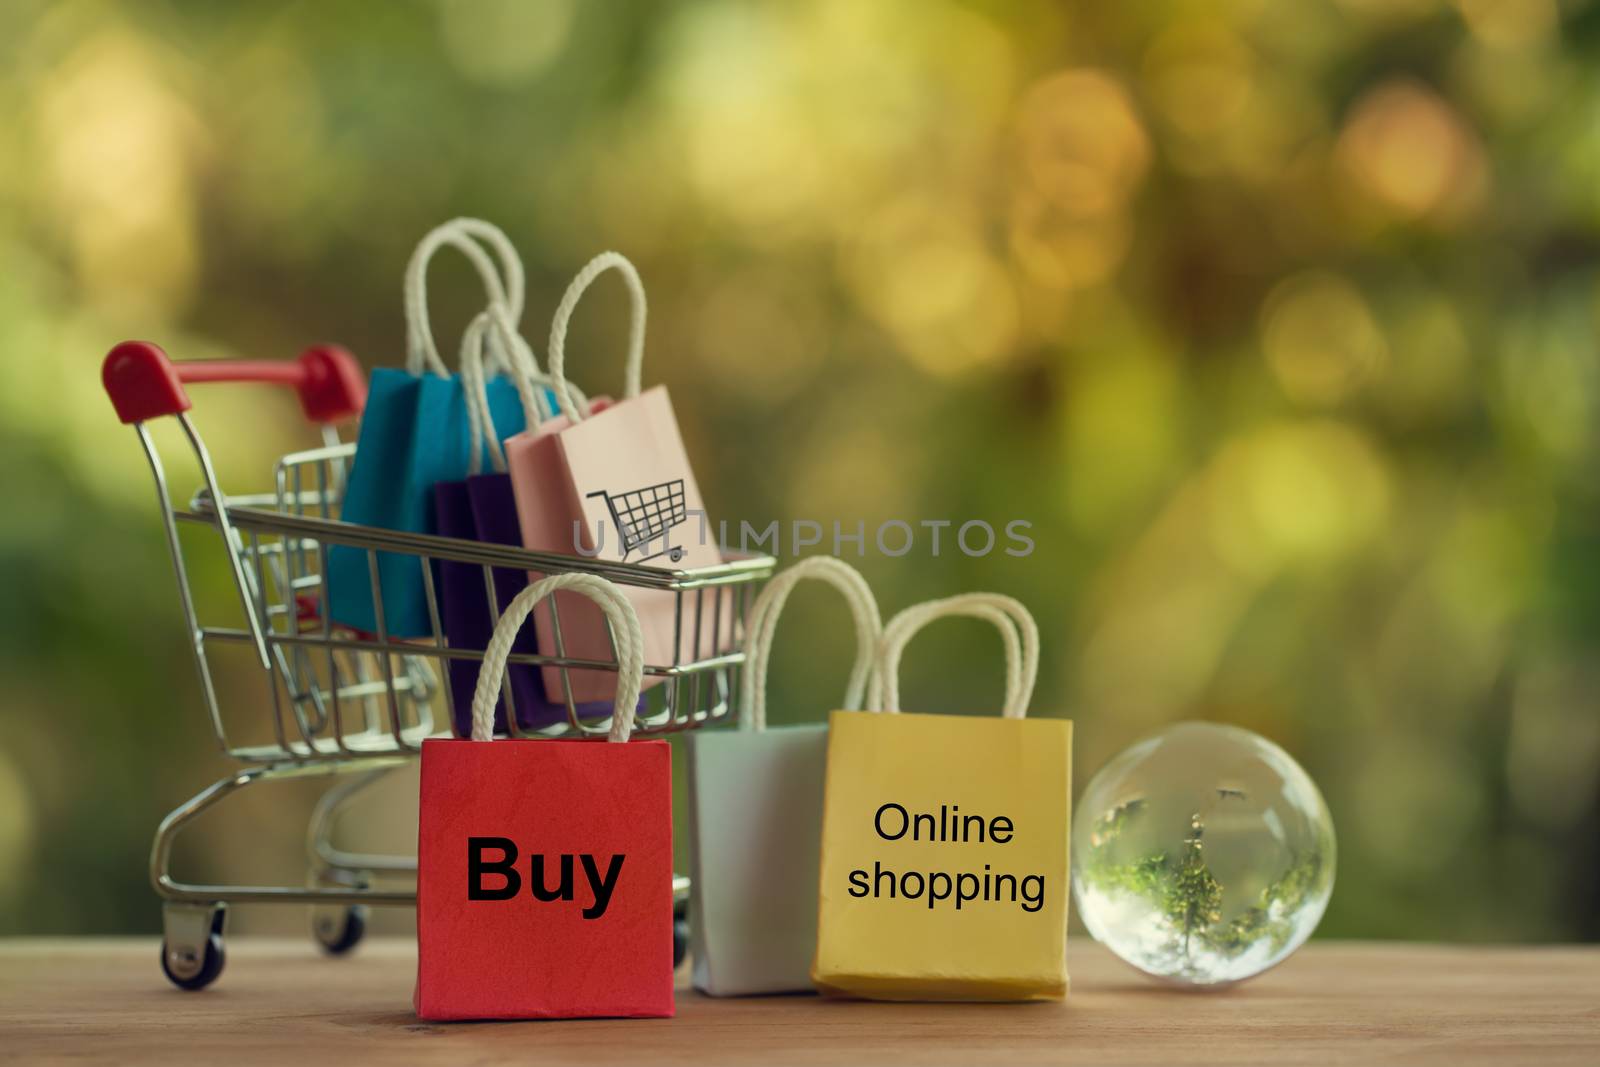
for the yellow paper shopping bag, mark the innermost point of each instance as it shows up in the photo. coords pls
(944, 837)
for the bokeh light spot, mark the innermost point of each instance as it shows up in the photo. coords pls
(1201, 76)
(1320, 339)
(1060, 250)
(926, 275)
(1509, 24)
(1121, 435)
(1297, 493)
(504, 43)
(1081, 143)
(118, 144)
(1409, 151)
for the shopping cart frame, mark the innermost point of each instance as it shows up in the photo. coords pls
(276, 544)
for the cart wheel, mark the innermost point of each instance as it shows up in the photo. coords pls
(680, 931)
(340, 931)
(676, 554)
(210, 965)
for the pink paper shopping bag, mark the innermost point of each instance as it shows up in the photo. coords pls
(615, 484)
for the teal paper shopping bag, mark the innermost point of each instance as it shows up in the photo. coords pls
(416, 432)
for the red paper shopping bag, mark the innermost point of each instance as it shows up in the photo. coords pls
(544, 868)
(615, 484)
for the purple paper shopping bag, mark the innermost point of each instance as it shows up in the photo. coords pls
(483, 508)
(468, 622)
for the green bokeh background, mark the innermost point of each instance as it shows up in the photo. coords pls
(1275, 320)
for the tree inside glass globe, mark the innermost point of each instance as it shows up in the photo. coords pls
(1202, 855)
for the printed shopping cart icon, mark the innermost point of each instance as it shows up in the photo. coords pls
(643, 515)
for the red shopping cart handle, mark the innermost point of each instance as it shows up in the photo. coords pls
(144, 384)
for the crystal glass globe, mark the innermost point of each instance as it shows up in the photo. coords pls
(1203, 855)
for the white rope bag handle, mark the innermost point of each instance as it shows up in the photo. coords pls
(633, 372)
(625, 634)
(763, 622)
(531, 383)
(475, 384)
(422, 354)
(1017, 628)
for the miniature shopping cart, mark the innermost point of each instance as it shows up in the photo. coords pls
(642, 515)
(342, 704)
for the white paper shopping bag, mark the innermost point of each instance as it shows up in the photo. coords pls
(755, 803)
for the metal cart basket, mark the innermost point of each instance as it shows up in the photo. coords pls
(343, 704)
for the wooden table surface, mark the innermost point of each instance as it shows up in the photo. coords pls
(1339, 1002)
